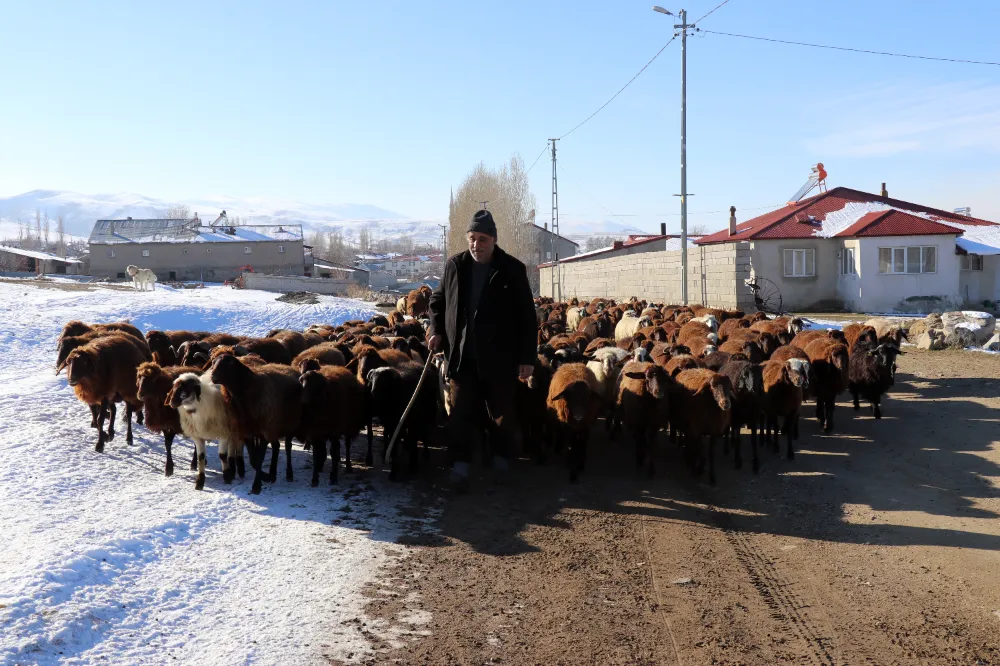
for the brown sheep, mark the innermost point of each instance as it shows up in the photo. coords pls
(730, 325)
(703, 407)
(805, 337)
(573, 405)
(327, 353)
(783, 384)
(830, 364)
(748, 348)
(333, 407)
(856, 331)
(700, 346)
(418, 301)
(153, 385)
(269, 401)
(77, 327)
(293, 341)
(642, 407)
(102, 371)
(681, 362)
(748, 399)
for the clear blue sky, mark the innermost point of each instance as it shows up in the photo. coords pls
(391, 103)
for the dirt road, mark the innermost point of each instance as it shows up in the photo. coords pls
(878, 544)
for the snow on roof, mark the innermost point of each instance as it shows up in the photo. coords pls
(188, 231)
(978, 239)
(330, 267)
(38, 255)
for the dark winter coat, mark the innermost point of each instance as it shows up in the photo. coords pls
(505, 326)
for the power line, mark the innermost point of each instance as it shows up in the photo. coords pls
(601, 108)
(592, 198)
(845, 48)
(703, 212)
(536, 160)
(718, 6)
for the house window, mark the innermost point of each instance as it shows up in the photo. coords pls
(907, 260)
(247, 250)
(185, 251)
(972, 262)
(281, 249)
(208, 250)
(145, 253)
(800, 263)
(847, 266)
(111, 254)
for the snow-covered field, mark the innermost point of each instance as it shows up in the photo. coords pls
(105, 560)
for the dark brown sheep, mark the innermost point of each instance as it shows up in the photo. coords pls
(783, 383)
(573, 405)
(77, 327)
(642, 407)
(153, 385)
(702, 406)
(830, 362)
(333, 407)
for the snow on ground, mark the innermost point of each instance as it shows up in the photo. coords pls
(105, 560)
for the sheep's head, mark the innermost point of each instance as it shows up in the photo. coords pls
(768, 343)
(66, 346)
(187, 350)
(146, 375)
(577, 396)
(74, 328)
(796, 370)
(185, 392)
(228, 371)
(312, 382)
(380, 381)
(722, 391)
(838, 335)
(81, 364)
(366, 360)
(885, 354)
(158, 342)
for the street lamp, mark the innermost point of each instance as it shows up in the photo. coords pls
(657, 8)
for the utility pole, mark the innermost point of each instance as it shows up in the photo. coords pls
(683, 26)
(556, 278)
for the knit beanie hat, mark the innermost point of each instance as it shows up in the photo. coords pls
(482, 222)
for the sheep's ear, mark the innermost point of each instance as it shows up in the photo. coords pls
(352, 365)
(635, 375)
(62, 365)
(170, 396)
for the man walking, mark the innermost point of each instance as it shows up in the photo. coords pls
(483, 318)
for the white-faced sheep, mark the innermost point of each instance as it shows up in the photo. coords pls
(206, 413)
(573, 405)
(606, 364)
(872, 373)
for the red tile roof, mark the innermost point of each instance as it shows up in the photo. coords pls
(793, 220)
(896, 223)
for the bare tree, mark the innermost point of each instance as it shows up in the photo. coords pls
(508, 195)
(179, 212)
(61, 235)
(364, 240)
(45, 231)
(697, 229)
(598, 242)
(38, 228)
(22, 232)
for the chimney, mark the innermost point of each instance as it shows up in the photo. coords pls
(111, 227)
(663, 228)
(885, 192)
(546, 226)
(732, 220)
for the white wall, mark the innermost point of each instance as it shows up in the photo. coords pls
(801, 294)
(978, 286)
(926, 291)
(849, 286)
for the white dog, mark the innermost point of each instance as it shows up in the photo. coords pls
(141, 277)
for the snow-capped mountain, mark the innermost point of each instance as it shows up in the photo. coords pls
(79, 211)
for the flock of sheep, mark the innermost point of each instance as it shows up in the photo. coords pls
(697, 373)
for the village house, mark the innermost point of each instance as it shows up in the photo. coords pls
(850, 250)
(15, 260)
(191, 250)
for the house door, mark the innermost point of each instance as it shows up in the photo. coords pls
(60, 268)
(173, 275)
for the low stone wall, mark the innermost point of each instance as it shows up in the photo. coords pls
(285, 284)
(716, 275)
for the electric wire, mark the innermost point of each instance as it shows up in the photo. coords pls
(718, 6)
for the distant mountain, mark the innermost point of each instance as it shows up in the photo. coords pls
(80, 211)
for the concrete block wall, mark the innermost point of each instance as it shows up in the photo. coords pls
(716, 276)
(285, 284)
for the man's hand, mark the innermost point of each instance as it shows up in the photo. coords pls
(435, 343)
(525, 371)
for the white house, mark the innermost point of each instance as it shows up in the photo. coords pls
(852, 250)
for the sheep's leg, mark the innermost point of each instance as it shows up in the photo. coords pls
(820, 412)
(773, 434)
(753, 444)
(726, 439)
(795, 427)
(168, 444)
(289, 476)
(95, 411)
(100, 428)
(112, 415)
(877, 407)
(334, 459)
(650, 458)
(228, 464)
(194, 459)
(272, 475)
(128, 424)
(640, 446)
(319, 458)
(829, 405)
(140, 419)
(237, 458)
(199, 445)
(414, 463)
(790, 453)
(369, 458)
(348, 466)
(737, 454)
(711, 460)
(257, 460)
(576, 455)
(857, 404)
